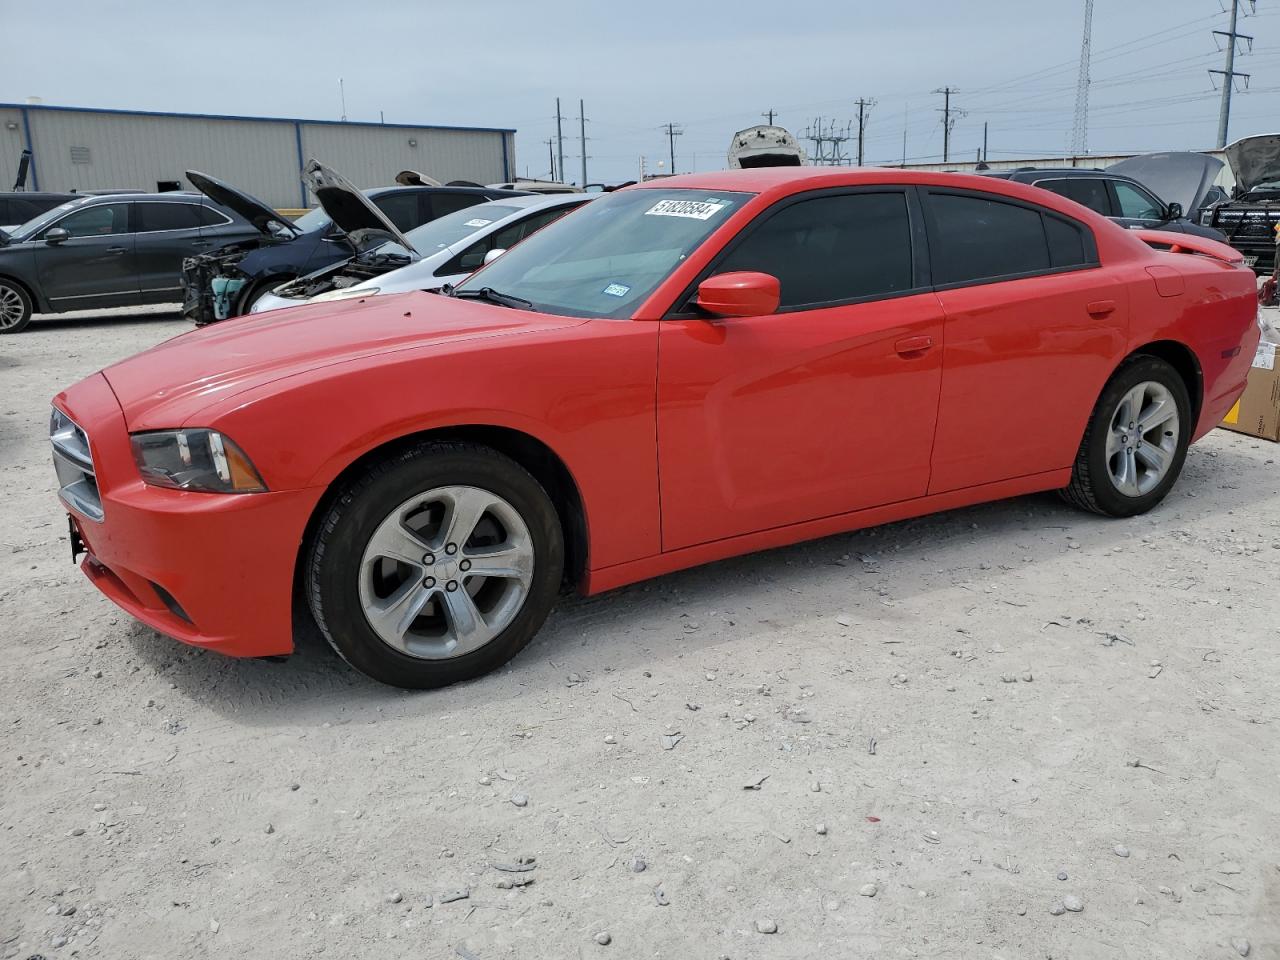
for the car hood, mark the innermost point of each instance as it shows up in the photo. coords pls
(249, 207)
(165, 386)
(1255, 160)
(347, 206)
(1182, 178)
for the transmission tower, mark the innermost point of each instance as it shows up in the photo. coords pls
(1080, 128)
(828, 143)
(1229, 72)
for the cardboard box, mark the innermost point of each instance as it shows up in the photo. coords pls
(1257, 412)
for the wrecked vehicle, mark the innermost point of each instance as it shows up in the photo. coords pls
(764, 145)
(1250, 218)
(225, 282)
(428, 257)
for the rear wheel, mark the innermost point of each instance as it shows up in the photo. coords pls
(1136, 441)
(435, 566)
(15, 307)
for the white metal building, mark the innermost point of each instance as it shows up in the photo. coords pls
(75, 148)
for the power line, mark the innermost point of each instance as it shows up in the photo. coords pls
(582, 140)
(559, 139)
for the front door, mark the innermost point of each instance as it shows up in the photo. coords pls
(95, 266)
(826, 406)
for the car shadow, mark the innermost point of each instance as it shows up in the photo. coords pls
(644, 624)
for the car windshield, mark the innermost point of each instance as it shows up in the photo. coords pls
(315, 219)
(609, 256)
(38, 223)
(452, 227)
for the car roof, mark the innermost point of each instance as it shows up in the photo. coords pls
(29, 194)
(424, 188)
(181, 196)
(1040, 173)
(538, 200)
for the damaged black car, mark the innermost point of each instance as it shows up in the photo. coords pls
(1250, 218)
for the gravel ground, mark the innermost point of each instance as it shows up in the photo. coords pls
(1012, 731)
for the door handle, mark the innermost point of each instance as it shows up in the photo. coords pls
(913, 346)
(115, 250)
(1101, 308)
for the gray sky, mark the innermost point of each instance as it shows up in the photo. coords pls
(711, 66)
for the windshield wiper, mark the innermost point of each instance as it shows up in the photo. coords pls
(493, 296)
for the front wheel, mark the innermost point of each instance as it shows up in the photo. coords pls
(437, 565)
(15, 307)
(1136, 441)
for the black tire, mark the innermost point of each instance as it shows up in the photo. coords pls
(258, 289)
(13, 296)
(1092, 487)
(335, 552)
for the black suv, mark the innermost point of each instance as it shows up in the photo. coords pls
(1118, 197)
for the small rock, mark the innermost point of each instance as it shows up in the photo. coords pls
(99, 806)
(711, 676)
(603, 938)
(1062, 874)
(611, 739)
(1241, 946)
(670, 740)
(395, 896)
(295, 786)
(1027, 677)
(816, 787)
(485, 781)
(764, 925)
(1008, 678)
(1198, 887)
(1167, 891)
(519, 799)
(58, 941)
(1057, 910)
(270, 828)
(1120, 850)
(868, 890)
(454, 895)
(1073, 903)
(214, 926)
(821, 829)
(638, 865)
(77, 832)
(1022, 909)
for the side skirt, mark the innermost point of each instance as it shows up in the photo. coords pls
(618, 575)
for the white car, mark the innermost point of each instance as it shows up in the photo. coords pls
(441, 252)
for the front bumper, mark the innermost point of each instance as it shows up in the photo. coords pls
(211, 570)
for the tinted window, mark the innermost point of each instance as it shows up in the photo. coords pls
(472, 258)
(977, 239)
(103, 220)
(166, 216)
(442, 203)
(1137, 204)
(1089, 191)
(1067, 244)
(211, 218)
(830, 249)
(400, 208)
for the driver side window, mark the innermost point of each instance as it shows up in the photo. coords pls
(103, 220)
(1137, 204)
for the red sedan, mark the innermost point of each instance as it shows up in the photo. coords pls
(676, 373)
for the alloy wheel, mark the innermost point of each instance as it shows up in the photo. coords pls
(446, 572)
(12, 308)
(1143, 438)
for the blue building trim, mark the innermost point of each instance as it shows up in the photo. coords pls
(35, 177)
(297, 139)
(227, 116)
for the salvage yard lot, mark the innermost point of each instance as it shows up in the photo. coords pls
(942, 717)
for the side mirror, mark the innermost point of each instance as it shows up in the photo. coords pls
(1174, 212)
(740, 294)
(56, 235)
(493, 255)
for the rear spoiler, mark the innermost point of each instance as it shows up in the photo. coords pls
(1187, 243)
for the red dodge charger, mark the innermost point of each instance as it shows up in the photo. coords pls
(675, 373)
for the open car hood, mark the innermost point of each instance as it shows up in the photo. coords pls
(347, 206)
(1182, 178)
(249, 207)
(1255, 160)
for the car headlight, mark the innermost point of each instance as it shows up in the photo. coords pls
(195, 460)
(346, 293)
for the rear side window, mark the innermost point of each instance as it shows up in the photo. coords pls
(211, 218)
(973, 239)
(166, 216)
(442, 203)
(1088, 191)
(832, 249)
(400, 208)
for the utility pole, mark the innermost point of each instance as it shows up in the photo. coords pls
(1080, 126)
(984, 141)
(864, 106)
(559, 140)
(906, 113)
(769, 115)
(949, 118)
(551, 155)
(673, 130)
(582, 141)
(1229, 73)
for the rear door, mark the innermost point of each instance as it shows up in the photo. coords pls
(95, 266)
(167, 231)
(825, 407)
(1034, 326)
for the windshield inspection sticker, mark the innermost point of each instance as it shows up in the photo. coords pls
(692, 209)
(616, 290)
(477, 222)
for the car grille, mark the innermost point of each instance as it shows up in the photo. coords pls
(1248, 223)
(73, 462)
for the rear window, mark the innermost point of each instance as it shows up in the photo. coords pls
(1087, 191)
(166, 216)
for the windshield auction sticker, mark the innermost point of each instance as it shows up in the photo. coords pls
(692, 209)
(477, 222)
